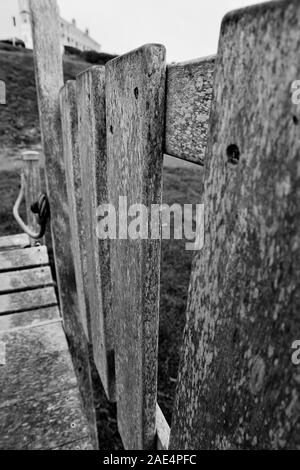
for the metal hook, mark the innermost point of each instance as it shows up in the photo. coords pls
(41, 208)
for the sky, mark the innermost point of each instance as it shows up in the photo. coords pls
(188, 29)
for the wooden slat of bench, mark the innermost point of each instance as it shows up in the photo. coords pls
(28, 300)
(38, 362)
(12, 242)
(23, 259)
(29, 319)
(44, 423)
(23, 280)
(189, 95)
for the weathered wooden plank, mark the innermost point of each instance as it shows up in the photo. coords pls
(27, 300)
(26, 279)
(23, 259)
(13, 242)
(96, 256)
(135, 96)
(73, 177)
(83, 444)
(237, 385)
(32, 180)
(189, 95)
(44, 423)
(162, 430)
(38, 362)
(29, 319)
(49, 78)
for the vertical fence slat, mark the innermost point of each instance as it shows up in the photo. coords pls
(92, 150)
(73, 180)
(31, 174)
(49, 79)
(237, 385)
(135, 95)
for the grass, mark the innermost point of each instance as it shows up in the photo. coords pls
(19, 122)
(19, 127)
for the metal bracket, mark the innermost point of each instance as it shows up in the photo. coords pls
(41, 208)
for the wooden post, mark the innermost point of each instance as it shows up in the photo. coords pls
(49, 79)
(238, 387)
(96, 256)
(32, 179)
(135, 103)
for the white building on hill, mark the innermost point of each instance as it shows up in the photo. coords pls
(15, 24)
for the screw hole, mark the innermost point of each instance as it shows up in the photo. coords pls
(233, 154)
(295, 120)
(235, 336)
(136, 93)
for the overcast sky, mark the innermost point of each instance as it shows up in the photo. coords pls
(188, 28)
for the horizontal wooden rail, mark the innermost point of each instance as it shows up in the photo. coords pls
(188, 105)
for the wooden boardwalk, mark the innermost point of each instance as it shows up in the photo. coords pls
(40, 406)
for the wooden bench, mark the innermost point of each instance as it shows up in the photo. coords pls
(40, 406)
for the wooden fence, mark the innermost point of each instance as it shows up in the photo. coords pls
(104, 136)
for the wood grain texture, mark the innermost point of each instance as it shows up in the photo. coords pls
(96, 256)
(43, 423)
(14, 260)
(49, 79)
(189, 95)
(26, 279)
(237, 386)
(27, 300)
(73, 177)
(135, 102)
(38, 362)
(33, 188)
(28, 319)
(12, 242)
(82, 444)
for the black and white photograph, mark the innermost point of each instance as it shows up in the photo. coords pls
(149, 228)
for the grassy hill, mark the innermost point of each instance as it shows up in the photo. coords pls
(19, 124)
